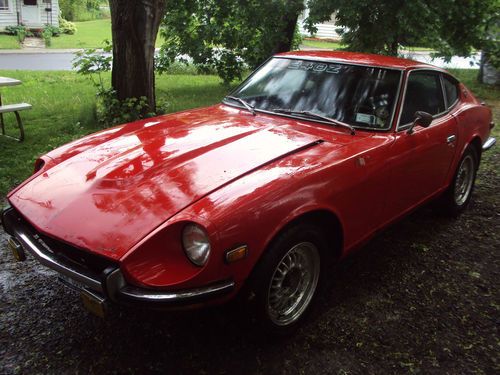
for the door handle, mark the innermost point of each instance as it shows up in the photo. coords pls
(451, 138)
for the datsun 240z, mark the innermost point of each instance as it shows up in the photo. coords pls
(258, 195)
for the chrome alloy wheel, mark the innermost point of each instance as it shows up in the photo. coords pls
(464, 180)
(293, 283)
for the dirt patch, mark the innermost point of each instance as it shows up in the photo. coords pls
(423, 297)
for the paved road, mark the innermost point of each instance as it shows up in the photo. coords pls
(62, 60)
(36, 61)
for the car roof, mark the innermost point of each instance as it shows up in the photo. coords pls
(359, 59)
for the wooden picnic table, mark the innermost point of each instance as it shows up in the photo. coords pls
(15, 108)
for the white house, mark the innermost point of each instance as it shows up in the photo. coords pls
(31, 13)
(325, 30)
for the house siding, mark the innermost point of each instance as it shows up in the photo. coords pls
(9, 18)
(325, 29)
(45, 17)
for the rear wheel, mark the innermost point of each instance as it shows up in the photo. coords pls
(457, 197)
(286, 279)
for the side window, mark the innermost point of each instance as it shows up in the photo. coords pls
(451, 89)
(423, 93)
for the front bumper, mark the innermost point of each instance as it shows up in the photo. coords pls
(490, 142)
(104, 284)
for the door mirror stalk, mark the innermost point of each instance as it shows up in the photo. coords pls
(423, 119)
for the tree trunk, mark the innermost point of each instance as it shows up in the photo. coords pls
(488, 74)
(285, 44)
(393, 48)
(134, 26)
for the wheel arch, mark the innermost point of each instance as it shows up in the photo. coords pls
(478, 146)
(324, 219)
(327, 221)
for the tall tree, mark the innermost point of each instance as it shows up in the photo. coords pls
(228, 34)
(452, 27)
(376, 26)
(490, 57)
(135, 27)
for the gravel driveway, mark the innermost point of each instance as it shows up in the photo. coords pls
(423, 297)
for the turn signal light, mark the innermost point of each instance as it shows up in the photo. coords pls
(236, 254)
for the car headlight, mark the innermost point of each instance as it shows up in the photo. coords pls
(196, 244)
(39, 163)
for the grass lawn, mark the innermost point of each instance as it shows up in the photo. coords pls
(321, 44)
(8, 42)
(415, 49)
(90, 34)
(63, 110)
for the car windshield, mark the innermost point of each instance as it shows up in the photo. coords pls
(360, 96)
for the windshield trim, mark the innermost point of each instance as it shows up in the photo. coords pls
(357, 127)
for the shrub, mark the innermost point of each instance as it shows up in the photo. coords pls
(80, 10)
(110, 110)
(67, 27)
(47, 36)
(21, 35)
(20, 31)
(53, 30)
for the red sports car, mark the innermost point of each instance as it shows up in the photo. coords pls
(305, 161)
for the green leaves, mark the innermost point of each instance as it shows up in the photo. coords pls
(93, 62)
(110, 110)
(227, 36)
(452, 27)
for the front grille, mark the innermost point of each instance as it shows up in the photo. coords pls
(92, 262)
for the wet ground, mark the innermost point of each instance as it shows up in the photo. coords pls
(423, 297)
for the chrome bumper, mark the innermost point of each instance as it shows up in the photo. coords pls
(490, 142)
(110, 284)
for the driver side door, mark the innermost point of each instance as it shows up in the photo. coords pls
(421, 159)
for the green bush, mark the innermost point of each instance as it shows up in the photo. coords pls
(48, 32)
(80, 10)
(52, 30)
(110, 110)
(47, 37)
(20, 31)
(67, 27)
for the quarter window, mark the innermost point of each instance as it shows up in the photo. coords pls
(423, 93)
(451, 89)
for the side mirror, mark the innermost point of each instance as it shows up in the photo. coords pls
(423, 119)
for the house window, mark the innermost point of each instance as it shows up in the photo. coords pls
(30, 2)
(4, 5)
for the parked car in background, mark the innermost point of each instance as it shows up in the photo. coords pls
(259, 195)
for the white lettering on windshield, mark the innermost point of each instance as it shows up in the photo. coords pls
(316, 67)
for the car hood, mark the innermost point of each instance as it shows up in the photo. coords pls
(109, 190)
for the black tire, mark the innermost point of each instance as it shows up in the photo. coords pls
(458, 195)
(304, 246)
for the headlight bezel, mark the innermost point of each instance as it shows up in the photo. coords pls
(196, 244)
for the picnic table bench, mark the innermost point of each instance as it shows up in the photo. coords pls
(12, 108)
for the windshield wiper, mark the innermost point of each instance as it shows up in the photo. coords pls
(315, 115)
(247, 105)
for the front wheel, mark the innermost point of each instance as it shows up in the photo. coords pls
(286, 279)
(458, 195)
(293, 284)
